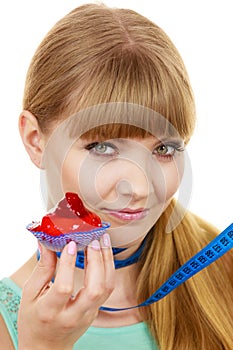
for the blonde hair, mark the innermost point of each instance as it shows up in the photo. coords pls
(97, 55)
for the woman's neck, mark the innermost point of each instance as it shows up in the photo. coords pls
(123, 295)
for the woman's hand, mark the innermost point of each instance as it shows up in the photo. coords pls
(49, 317)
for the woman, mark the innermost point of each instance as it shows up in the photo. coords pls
(91, 60)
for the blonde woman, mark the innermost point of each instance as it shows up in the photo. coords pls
(107, 113)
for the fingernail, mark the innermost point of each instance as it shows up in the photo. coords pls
(106, 240)
(95, 244)
(71, 248)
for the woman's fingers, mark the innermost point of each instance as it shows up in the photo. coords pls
(98, 283)
(99, 277)
(51, 306)
(108, 264)
(95, 274)
(42, 274)
(62, 289)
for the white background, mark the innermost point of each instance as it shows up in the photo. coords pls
(202, 32)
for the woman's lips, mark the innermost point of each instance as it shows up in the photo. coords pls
(128, 214)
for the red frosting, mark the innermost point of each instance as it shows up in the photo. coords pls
(70, 215)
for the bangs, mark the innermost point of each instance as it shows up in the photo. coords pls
(115, 131)
(118, 120)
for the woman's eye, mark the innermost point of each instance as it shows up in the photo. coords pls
(164, 150)
(102, 148)
(167, 151)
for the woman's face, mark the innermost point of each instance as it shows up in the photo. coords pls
(128, 182)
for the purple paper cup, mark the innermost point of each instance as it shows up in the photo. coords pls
(57, 243)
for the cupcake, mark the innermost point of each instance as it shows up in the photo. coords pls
(68, 221)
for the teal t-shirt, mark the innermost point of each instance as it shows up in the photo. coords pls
(135, 336)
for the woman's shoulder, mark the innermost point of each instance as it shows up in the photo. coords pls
(6, 340)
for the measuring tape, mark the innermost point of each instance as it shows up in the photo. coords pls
(213, 251)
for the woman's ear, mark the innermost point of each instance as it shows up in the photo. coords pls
(32, 137)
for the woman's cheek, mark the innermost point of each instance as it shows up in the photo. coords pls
(172, 174)
(92, 180)
(174, 181)
(106, 179)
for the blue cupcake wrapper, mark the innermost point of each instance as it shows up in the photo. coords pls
(57, 243)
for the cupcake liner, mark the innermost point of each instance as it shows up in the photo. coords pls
(57, 243)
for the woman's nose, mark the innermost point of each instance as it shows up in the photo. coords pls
(134, 182)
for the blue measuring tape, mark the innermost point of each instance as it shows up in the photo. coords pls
(213, 251)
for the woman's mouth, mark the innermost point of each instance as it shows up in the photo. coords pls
(128, 214)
